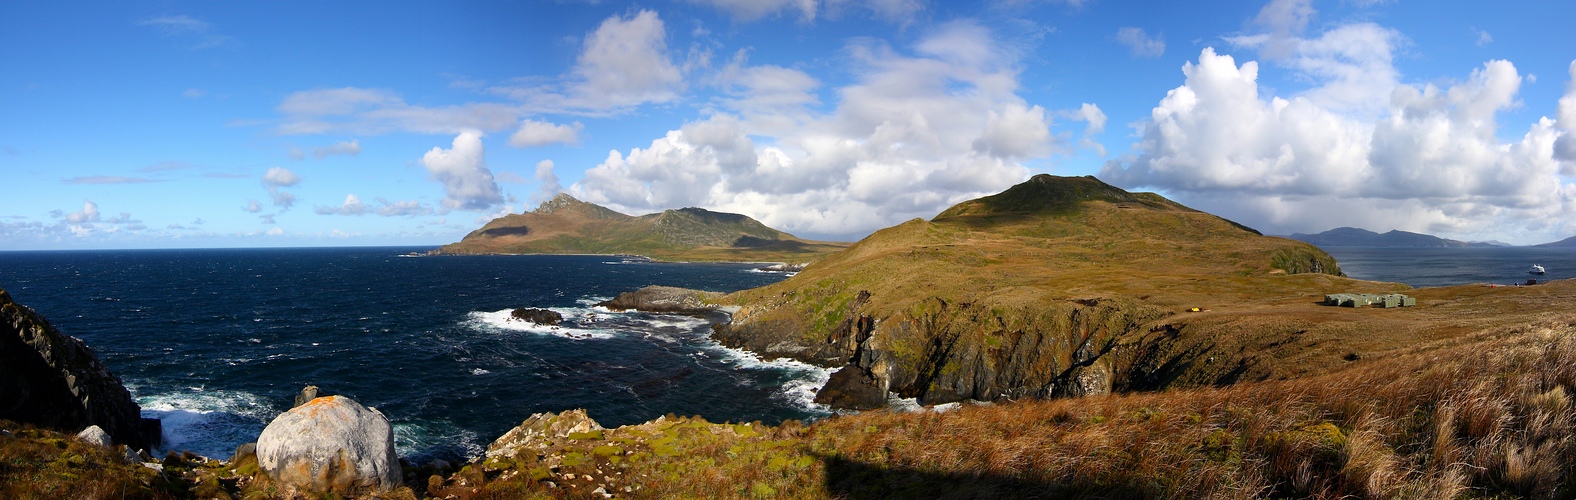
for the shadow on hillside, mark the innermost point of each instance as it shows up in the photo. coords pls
(858, 481)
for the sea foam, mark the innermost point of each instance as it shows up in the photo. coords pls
(209, 422)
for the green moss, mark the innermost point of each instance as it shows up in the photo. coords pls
(575, 459)
(607, 451)
(586, 435)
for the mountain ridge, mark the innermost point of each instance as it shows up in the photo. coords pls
(566, 225)
(1395, 238)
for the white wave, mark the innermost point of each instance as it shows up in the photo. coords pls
(502, 320)
(799, 390)
(209, 422)
(479, 371)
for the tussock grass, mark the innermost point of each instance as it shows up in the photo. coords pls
(1487, 415)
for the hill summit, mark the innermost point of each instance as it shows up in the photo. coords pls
(566, 225)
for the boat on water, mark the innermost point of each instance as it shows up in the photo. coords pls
(1535, 269)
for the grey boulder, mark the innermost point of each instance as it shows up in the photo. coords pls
(332, 445)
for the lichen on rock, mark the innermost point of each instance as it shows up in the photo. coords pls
(330, 445)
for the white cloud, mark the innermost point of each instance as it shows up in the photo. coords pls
(374, 111)
(1285, 21)
(910, 136)
(89, 214)
(1483, 37)
(533, 133)
(549, 180)
(1432, 162)
(625, 63)
(277, 178)
(194, 93)
(198, 32)
(252, 206)
(1565, 147)
(1140, 43)
(750, 10)
(386, 208)
(462, 169)
(347, 148)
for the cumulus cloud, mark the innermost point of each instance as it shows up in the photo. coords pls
(625, 62)
(347, 148)
(386, 208)
(911, 135)
(533, 133)
(252, 206)
(277, 178)
(1431, 161)
(89, 214)
(1565, 147)
(1140, 43)
(549, 180)
(462, 169)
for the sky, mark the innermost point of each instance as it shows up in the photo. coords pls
(174, 124)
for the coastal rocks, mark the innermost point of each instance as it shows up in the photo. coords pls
(852, 388)
(95, 436)
(330, 445)
(539, 316)
(940, 352)
(784, 267)
(665, 299)
(53, 380)
(540, 430)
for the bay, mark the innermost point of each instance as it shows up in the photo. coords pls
(217, 342)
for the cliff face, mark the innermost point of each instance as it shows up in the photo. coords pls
(53, 380)
(565, 225)
(1055, 287)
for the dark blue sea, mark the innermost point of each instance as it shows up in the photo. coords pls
(1428, 267)
(217, 342)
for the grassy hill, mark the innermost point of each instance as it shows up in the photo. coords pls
(565, 225)
(1056, 287)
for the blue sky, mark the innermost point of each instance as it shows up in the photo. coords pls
(228, 124)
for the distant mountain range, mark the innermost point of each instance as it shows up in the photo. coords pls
(1356, 237)
(1565, 243)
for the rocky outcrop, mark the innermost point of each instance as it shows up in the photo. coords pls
(540, 430)
(665, 299)
(330, 445)
(537, 316)
(941, 352)
(54, 380)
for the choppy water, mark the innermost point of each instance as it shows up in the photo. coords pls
(1421, 267)
(217, 342)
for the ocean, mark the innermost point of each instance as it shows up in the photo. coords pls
(1428, 267)
(216, 343)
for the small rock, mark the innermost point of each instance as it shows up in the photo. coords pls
(570, 477)
(307, 394)
(95, 435)
(244, 451)
(602, 491)
(550, 484)
(130, 456)
(6, 433)
(538, 316)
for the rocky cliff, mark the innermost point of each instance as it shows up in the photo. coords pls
(1056, 287)
(53, 380)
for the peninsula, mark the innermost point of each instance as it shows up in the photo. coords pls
(565, 225)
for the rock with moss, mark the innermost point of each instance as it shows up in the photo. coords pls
(54, 380)
(330, 445)
(541, 429)
(665, 299)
